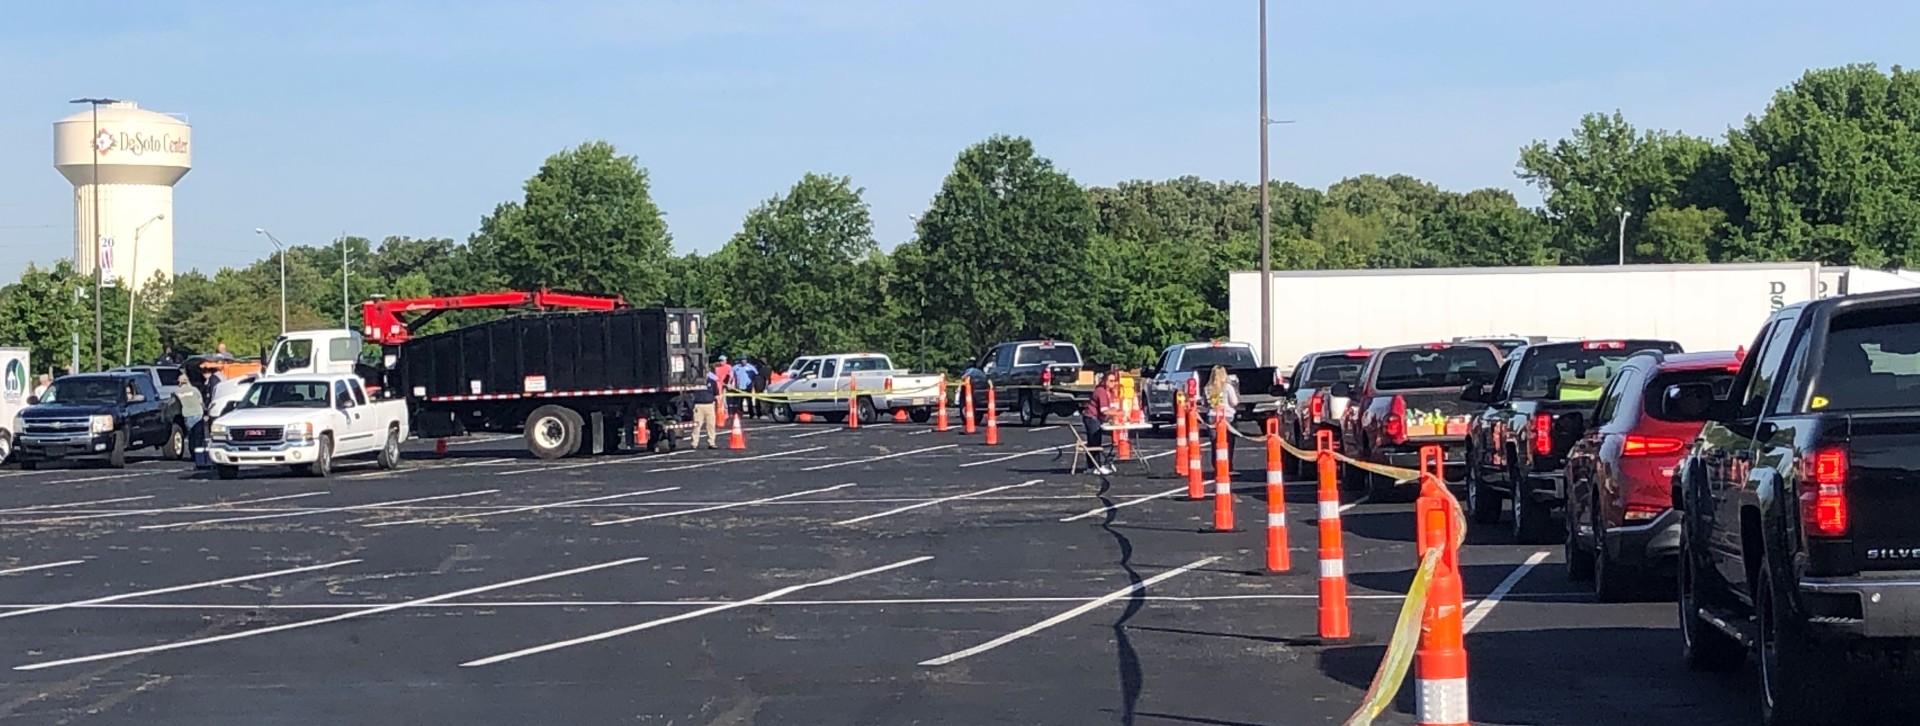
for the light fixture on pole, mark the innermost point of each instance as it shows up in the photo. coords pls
(1624, 214)
(133, 289)
(99, 362)
(283, 274)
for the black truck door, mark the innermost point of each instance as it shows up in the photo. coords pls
(1730, 463)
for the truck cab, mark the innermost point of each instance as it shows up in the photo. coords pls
(296, 353)
(1036, 378)
(1188, 366)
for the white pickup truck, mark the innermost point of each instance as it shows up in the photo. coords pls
(306, 422)
(821, 385)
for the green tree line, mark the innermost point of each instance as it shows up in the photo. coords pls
(1011, 246)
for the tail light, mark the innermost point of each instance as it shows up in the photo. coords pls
(1046, 375)
(1823, 493)
(1637, 445)
(1604, 345)
(889, 387)
(1397, 421)
(1317, 406)
(1542, 434)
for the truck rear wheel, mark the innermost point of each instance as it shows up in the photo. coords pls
(783, 413)
(553, 431)
(176, 447)
(390, 451)
(921, 415)
(1028, 414)
(867, 413)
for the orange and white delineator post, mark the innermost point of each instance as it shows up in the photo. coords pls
(940, 410)
(1440, 663)
(1196, 474)
(1279, 559)
(993, 418)
(1179, 434)
(1122, 445)
(966, 406)
(1223, 478)
(853, 405)
(1335, 621)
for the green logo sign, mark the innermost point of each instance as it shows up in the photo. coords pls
(15, 381)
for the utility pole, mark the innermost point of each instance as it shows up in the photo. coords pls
(99, 362)
(1266, 245)
(280, 250)
(1624, 214)
(344, 307)
(133, 291)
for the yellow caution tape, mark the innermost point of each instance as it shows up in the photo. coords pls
(1401, 647)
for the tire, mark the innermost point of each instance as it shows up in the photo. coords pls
(783, 413)
(389, 458)
(175, 448)
(868, 415)
(322, 466)
(1579, 560)
(6, 447)
(1703, 646)
(1613, 581)
(1795, 676)
(1483, 506)
(921, 415)
(226, 472)
(1532, 519)
(1027, 414)
(552, 432)
(117, 453)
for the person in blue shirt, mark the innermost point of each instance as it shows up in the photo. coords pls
(703, 410)
(743, 380)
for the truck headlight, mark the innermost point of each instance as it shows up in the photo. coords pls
(217, 432)
(101, 423)
(299, 432)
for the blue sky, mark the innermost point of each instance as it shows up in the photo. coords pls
(416, 118)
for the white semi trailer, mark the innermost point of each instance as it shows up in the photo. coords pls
(1703, 307)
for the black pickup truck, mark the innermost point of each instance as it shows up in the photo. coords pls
(1800, 533)
(100, 416)
(1036, 378)
(1530, 416)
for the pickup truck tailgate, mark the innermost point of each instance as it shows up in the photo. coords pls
(1883, 489)
(1435, 414)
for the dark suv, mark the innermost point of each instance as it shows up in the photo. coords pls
(100, 416)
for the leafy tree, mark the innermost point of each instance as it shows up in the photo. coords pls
(1608, 165)
(1005, 246)
(1679, 235)
(588, 222)
(792, 278)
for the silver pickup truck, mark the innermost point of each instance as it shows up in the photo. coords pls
(821, 384)
(1186, 367)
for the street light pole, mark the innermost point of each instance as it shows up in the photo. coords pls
(344, 323)
(1624, 214)
(1266, 246)
(133, 291)
(282, 251)
(98, 358)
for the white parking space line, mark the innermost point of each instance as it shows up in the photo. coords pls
(617, 632)
(1352, 504)
(1041, 428)
(323, 510)
(175, 588)
(73, 505)
(918, 433)
(482, 440)
(941, 500)
(872, 459)
(384, 473)
(188, 508)
(48, 566)
(815, 433)
(1068, 615)
(389, 607)
(111, 477)
(718, 507)
(1008, 457)
(597, 462)
(571, 604)
(1482, 609)
(1123, 505)
(515, 510)
(770, 427)
(717, 462)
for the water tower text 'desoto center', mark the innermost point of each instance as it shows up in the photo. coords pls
(128, 159)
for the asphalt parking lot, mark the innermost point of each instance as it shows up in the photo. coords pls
(889, 575)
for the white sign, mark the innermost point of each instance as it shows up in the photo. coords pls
(534, 384)
(106, 256)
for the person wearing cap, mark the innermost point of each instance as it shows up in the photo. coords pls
(704, 419)
(743, 375)
(724, 371)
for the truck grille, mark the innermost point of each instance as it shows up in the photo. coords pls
(255, 434)
(58, 425)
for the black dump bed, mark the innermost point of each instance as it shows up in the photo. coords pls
(618, 352)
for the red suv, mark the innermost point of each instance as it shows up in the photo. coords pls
(1621, 525)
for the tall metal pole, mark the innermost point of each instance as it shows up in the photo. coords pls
(1266, 248)
(1623, 233)
(94, 158)
(344, 323)
(281, 250)
(133, 293)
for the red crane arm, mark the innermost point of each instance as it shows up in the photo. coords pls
(392, 322)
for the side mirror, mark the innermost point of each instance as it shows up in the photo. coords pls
(1341, 389)
(1690, 402)
(33, 400)
(1474, 393)
(1149, 373)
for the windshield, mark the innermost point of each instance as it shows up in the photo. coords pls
(285, 394)
(1448, 367)
(1058, 353)
(292, 355)
(1576, 372)
(1335, 369)
(1872, 362)
(85, 391)
(1231, 356)
(1721, 379)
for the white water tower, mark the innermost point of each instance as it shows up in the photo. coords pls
(127, 158)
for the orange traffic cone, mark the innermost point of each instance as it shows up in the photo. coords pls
(966, 406)
(1122, 443)
(737, 440)
(440, 447)
(1279, 559)
(1335, 624)
(899, 415)
(940, 413)
(1223, 480)
(1179, 435)
(853, 411)
(641, 434)
(804, 417)
(993, 418)
(1196, 474)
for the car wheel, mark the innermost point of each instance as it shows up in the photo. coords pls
(552, 432)
(1483, 506)
(176, 447)
(1704, 647)
(783, 413)
(1027, 414)
(390, 452)
(6, 447)
(117, 451)
(226, 471)
(1613, 581)
(921, 415)
(1579, 560)
(323, 462)
(1532, 519)
(867, 413)
(1795, 680)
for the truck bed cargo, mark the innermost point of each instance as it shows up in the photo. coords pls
(556, 354)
